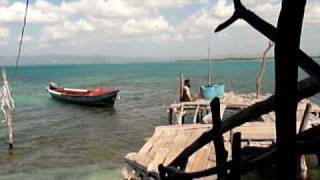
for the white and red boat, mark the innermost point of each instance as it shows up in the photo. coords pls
(90, 97)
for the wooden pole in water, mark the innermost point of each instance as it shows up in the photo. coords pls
(260, 75)
(209, 65)
(6, 97)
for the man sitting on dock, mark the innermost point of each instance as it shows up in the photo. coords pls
(187, 96)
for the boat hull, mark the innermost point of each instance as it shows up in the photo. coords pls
(211, 91)
(99, 101)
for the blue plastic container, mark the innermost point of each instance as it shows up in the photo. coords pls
(211, 91)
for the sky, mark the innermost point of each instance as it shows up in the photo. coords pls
(148, 28)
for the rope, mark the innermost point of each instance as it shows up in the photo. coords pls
(21, 38)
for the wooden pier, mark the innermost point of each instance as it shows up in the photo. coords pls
(168, 142)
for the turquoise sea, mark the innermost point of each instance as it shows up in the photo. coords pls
(54, 140)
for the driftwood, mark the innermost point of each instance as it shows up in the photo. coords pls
(221, 153)
(260, 74)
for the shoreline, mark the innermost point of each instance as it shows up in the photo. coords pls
(89, 61)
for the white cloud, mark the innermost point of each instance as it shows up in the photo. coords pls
(65, 31)
(155, 25)
(222, 9)
(102, 8)
(4, 35)
(28, 38)
(169, 4)
(99, 22)
(168, 38)
(202, 23)
(40, 12)
(313, 13)
(4, 2)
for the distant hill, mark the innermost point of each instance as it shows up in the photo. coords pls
(100, 59)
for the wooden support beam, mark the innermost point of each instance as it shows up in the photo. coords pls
(286, 77)
(235, 172)
(181, 85)
(303, 170)
(305, 118)
(221, 153)
(170, 113)
(196, 113)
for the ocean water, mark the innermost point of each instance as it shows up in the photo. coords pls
(54, 140)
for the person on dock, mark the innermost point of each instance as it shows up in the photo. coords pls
(187, 96)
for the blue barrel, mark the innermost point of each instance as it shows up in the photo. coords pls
(211, 91)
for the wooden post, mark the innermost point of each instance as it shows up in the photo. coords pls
(181, 85)
(305, 118)
(303, 169)
(286, 76)
(260, 75)
(170, 115)
(221, 153)
(6, 97)
(236, 157)
(195, 117)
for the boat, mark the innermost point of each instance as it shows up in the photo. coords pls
(89, 97)
(210, 91)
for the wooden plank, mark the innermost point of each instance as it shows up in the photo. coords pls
(149, 144)
(211, 158)
(158, 159)
(195, 135)
(257, 134)
(223, 108)
(272, 115)
(166, 138)
(267, 119)
(138, 160)
(177, 146)
(190, 162)
(257, 125)
(201, 159)
(196, 114)
(185, 126)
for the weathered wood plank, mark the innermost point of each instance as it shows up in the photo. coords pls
(177, 146)
(166, 138)
(159, 158)
(147, 146)
(201, 160)
(138, 160)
